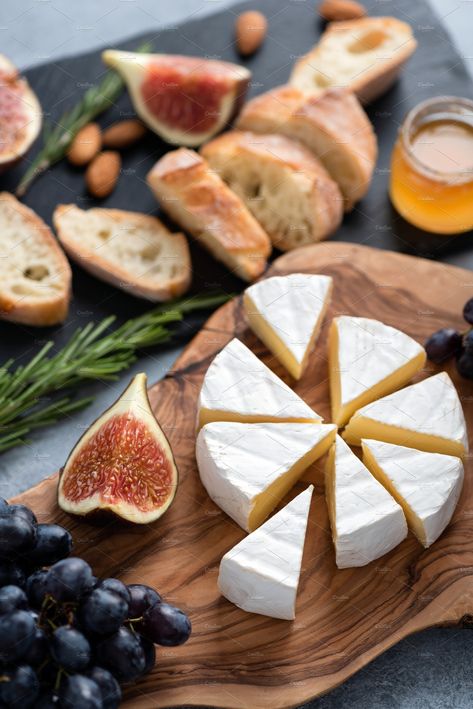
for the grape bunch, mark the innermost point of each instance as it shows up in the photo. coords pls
(447, 343)
(68, 640)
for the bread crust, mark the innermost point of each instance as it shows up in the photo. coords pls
(333, 125)
(276, 157)
(202, 204)
(119, 275)
(383, 69)
(29, 309)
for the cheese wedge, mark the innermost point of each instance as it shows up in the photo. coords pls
(261, 573)
(286, 313)
(427, 416)
(366, 521)
(239, 387)
(426, 485)
(367, 360)
(247, 468)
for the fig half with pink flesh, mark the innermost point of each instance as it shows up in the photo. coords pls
(20, 115)
(123, 463)
(185, 100)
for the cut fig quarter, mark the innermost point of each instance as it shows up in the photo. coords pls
(185, 100)
(20, 115)
(122, 464)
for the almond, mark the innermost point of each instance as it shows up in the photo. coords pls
(340, 10)
(123, 134)
(102, 174)
(250, 31)
(85, 145)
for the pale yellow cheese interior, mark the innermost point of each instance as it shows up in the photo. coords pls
(413, 521)
(395, 381)
(330, 490)
(266, 501)
(361, 427)
(273, 342)
(211, 415)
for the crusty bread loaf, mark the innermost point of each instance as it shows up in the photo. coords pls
(364, 55)
(281, 182)
(35, 276)
(200, 202)
(132, 251)
(332, 125)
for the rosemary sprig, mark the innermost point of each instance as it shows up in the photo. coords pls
(57, 140)
(94, 352)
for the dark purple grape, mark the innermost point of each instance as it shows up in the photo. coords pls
(11, 599)
(23, 511)
(52, 544)
(16, 635)
(468, 311)
(166, 625)
(21, 688)
(465, 364)
(103, 612)
(70, 649)
(117, 587)
(47, 700)
(69, 579)
(11, 574)
(443, 344)
(17, 535)
(36, 588)
(108, 685)
(38, 650)
(150, 654)
(468, 341)
(4, 506)
(80, 692)
(142, 598)
(122, 654)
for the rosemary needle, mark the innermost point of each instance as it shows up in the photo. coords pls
(94, 352)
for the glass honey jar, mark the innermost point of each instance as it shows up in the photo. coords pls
(431, 183)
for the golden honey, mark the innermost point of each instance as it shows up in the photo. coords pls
(432, 166)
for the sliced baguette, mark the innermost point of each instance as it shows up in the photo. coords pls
(332, 125)
(364, 55)
(132, 251)
(200, 202)
(35, 283)
(281, 182)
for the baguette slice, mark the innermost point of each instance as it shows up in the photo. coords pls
(132, 251)
(333, 126)
(200, 202)
(281, 182)
(35, 283)
(364, 55)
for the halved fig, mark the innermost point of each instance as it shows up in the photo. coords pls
(185, 100)
(20, 115)
(123, 463)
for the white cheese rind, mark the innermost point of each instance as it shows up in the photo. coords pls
(261, 573)
(237, 383)
(429, 483)
(366, 520)
(430, 407)
(292, 307)
(238, 461)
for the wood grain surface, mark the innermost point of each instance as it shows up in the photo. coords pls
(345, 618)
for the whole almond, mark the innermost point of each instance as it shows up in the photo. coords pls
(102, 174)
(250, 31)
(123, 134)
(85, 145)
(341, 10)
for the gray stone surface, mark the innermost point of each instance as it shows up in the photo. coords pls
(428, 671)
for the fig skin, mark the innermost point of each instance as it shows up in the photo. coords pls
(134, 400)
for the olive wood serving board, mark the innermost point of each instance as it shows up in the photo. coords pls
(345, 618)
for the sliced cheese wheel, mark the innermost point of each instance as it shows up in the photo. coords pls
(367, 360)
(239, 387)
(261, 573)
(247, 468)
(426, 485)
(286, 313)
(365, 519)
(427, 415)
